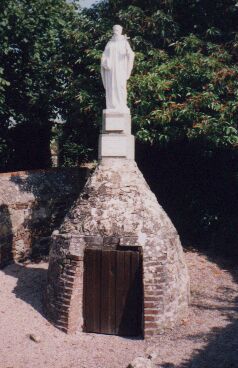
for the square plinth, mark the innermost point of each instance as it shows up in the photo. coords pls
(116, 122)
(116, 145)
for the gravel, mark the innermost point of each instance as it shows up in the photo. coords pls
(207, 338)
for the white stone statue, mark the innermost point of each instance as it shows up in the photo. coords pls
(116, 67)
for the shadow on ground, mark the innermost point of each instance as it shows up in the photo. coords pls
(221, 344)
(221, 350)
(30, 285)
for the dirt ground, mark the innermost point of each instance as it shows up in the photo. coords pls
(208, 338)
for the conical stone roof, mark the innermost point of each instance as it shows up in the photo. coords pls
(117, 209)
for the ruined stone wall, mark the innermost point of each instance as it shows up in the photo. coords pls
(32, 205)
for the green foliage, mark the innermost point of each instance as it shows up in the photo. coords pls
(34, 55)
(184, 84)
(192, 95)
(37, 62)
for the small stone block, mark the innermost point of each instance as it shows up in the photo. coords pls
(114, 124)
(116, 145)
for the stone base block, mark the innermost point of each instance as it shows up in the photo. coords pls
(116, 145)
(116, 122)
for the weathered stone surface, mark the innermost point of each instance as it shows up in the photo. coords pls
(32, 205)
(117, 207)
(116, 145)
(141, 363)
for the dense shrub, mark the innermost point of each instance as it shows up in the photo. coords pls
(37, 67)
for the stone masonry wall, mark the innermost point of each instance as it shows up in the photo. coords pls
(117, 208)
(32, 205)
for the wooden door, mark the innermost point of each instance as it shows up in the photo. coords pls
(113, 292)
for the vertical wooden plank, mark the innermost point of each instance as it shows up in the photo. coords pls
(136, 294)
(120, 290)
(124, 327)
(92, 290)
(129, 295)
(108, 299)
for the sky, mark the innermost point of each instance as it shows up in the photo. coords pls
(87, 3)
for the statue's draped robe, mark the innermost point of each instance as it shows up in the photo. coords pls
(116, 66)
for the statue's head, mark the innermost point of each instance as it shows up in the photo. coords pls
(117, 30)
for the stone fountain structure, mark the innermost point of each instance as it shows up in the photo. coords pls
(117, 210)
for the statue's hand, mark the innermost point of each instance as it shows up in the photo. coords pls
(105, 64)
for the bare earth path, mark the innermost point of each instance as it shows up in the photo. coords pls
(206, 339)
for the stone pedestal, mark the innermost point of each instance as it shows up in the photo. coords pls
(116, 139)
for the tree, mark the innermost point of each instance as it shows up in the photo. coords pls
(184, 84)
(37, 67)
